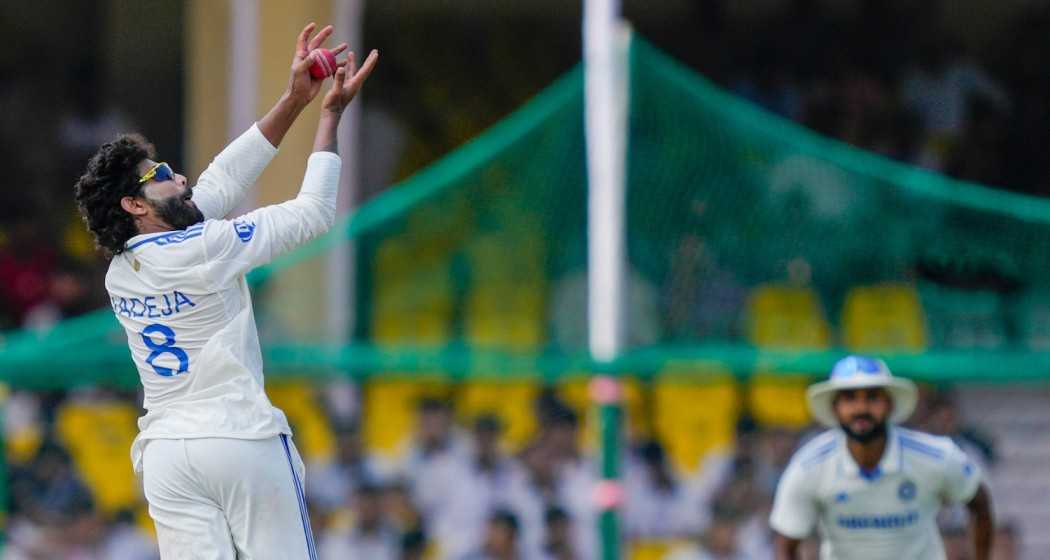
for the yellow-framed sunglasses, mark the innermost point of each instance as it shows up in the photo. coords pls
(160, 172)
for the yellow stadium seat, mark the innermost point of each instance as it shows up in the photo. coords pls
(506, 305)
(511, 401)
(786, 317)
(510, 256)
(22, 445)
(413, 301)
(391, 408)
(505, 315)
(653, 549)
(98, 437)
(695, 410)
(575, 392)
(883, 317)
(779, 399)
(313, 434)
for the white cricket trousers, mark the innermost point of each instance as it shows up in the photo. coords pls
(219, 498)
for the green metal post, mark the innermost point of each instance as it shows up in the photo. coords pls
(608, 495)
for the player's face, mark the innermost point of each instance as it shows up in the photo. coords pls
(863, 413)
(170, 199)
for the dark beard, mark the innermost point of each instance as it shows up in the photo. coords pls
(178, 212)
(877, 431)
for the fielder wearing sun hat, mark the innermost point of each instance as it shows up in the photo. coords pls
(861, 372)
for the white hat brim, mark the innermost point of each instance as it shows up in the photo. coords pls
(903, 392)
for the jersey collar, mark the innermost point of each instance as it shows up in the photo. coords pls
(890, 462)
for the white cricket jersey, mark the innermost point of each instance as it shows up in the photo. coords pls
(184, 302)
(886, 514)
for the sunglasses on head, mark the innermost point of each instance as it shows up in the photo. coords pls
(160, 172)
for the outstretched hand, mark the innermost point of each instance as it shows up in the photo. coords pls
(301, 86)
(348, 81)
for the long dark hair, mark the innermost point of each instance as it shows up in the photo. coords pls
(110, 176)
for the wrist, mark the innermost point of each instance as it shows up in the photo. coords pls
(330, 115)
(293, 102)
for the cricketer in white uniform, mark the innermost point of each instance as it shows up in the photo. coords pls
(221, 475)
(873, 488)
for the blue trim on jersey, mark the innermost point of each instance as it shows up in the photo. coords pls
(822, 453)
(311, 548)
(171, 237)
(920, 447)
(870, 475)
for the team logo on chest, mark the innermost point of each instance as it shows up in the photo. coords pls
(907, 491)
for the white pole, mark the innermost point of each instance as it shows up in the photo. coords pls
(340, 268)
(243, 62)
(606, 128)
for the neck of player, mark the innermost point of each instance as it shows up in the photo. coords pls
(867, 454)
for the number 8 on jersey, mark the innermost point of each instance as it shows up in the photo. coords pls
(167, 347)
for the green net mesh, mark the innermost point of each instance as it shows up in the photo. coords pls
(753, 244)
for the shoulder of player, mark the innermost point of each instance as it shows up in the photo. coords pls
(817, 450)
(241, 229)
(167, 239)
(924, 445)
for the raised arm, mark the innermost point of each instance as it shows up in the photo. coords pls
(224, 183)
(234, 248)
(302, 88)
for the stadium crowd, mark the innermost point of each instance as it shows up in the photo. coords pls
(922, 98)
(455, 491)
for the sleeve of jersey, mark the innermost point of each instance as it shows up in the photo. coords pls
(794, 512)
(228, 177)
(234, 247)
(962, 476)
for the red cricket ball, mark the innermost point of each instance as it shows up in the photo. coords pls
(323, 64)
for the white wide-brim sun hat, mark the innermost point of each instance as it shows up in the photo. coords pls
(859, 372)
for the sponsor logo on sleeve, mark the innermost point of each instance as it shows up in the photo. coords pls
(245, 230)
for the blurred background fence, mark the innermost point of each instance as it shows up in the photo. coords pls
(796, 204)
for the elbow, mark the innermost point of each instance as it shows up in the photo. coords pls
(319, 216)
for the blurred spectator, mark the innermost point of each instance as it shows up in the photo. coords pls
(942, 417)
(27, 262)
(558, 543)
(719, 541)
(702, 299)
(369, 536)
(331, 484)
(66, 297)
(535, 486)
(479, 488)
(656, 505)
(939, 89)
(501, 539)
(435, 456)
(413, 546)
(400, 510)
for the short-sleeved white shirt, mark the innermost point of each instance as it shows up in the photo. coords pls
(888, 513)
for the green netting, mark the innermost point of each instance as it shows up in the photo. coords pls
(753, 243)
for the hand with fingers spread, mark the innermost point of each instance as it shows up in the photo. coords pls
(301, 86)
(348, 81)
